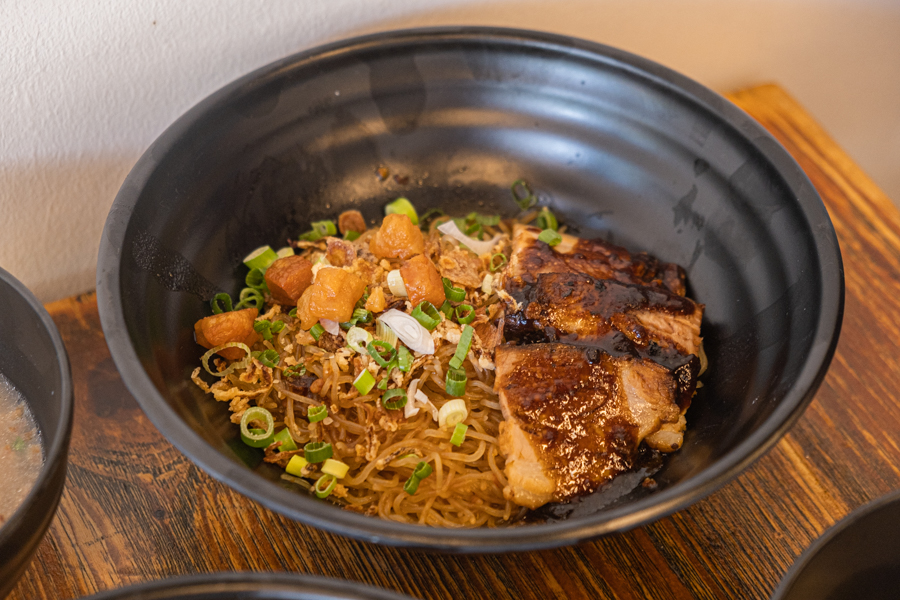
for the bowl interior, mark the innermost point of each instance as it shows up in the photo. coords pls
(33, 359)
(618, 147)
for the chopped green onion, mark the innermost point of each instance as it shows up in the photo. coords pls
(487, 220)
(550, 237)
(394, 399)
(287, 442)
(423, 470)
(546, 220)
(364, 382)
(316, 452)
(261, 258)
(269, 358)
(277, 326)
(382, 385)
(496, 265)
(358, 338)
(402, 206)
(459, 434)
(325, 485)
(294, 371)
(221, 303)
(378, 349)
(257, 413)
(455, 382)
(404, 359)
(462, 348)
(285, 252)
(411, 485)
(335, 467)
(362, 301)
(250, 296)
(319, 230)
(264, 328)
(256, 279)
(362, 315)
(465, 314)
(316, 413)
(447, 309)
(295, 465)
(427, 315)
(453, 294)
(522, 194)
(452, 412)
(351, 235)
(385, 333)
(293, 313)
(316, 331)
(262, 443)
(239, 364)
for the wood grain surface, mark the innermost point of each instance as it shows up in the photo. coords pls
(135, 509)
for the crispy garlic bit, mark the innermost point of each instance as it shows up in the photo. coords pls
(333, 296)
(233, 326)
(397, 238)
(287, 278)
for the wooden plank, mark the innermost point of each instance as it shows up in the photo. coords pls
(135, 509)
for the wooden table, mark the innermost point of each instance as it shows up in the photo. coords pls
(135, 509)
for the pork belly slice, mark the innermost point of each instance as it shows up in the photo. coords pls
(575, 416)
(597, 258)
(580, 309)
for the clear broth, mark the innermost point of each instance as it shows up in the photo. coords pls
(20, 449)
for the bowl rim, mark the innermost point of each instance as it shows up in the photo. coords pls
(535, 536)
(59, 448)
(844, 523)
(236, 582)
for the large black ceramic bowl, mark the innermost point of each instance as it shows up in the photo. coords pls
(620, 147)
(244, 586)
(858, 557)
(34, 360)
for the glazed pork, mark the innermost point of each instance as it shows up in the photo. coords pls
(603, 354)
(599, 259)
(575, 416)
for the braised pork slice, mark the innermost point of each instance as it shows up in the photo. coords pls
(575, 416)
(581, 309)
(599, 259)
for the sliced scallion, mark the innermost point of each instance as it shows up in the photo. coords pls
(316, 413)
(259, 414)
(546, 220)
(268, 358)
(396, 284)
(382, 352)
(239, 364)
(316, 331)
(264, 328)
(385, 333)
(452, 412)
(221, 303)
(423, 470)
(250, 297)
(462, 348)
(394, 399)
(295, 465)
(364, 382)
(498, 261)
(455, 382)
(335, 467)
(285, 252)
(402, 206)
(287, 442)
(316, 452)
(256, 279)
(351, 235)
(325, 485)
(453, 294)
(261, 443)
(522, 194)
(447, 309)
(465, 314)
(358, 338)
(427, 315)
(411, 485)
(362, 315)
(261, 258)
(459, 434)
(550, 237)
(404, 359)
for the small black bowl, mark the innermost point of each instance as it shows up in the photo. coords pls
(34, 360)
(259, 586)
(619, 147)
(857, 558)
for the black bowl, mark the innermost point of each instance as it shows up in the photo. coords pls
(240, 586)
(858, 557)
(620, 147)
(34, 360)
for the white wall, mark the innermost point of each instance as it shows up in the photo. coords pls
(87, 86)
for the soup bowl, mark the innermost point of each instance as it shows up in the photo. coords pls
(34, 360)
(619, 147)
